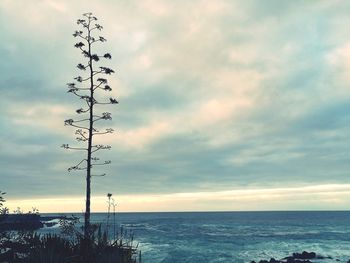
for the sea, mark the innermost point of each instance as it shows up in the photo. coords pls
(196, 237)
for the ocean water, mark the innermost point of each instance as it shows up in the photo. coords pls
(234, 236)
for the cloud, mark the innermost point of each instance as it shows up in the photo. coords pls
(40, 116)
(339, 60)
(213, 96)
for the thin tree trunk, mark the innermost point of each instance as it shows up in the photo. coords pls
(88, 174)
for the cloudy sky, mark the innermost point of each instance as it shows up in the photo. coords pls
(224, 105)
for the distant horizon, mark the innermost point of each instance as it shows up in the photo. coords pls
(165, 212)
(243, 211)
(223, 105)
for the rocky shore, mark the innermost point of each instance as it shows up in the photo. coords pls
(26, 221)
(304, 257)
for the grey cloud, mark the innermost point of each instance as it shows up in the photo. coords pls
(295, 133)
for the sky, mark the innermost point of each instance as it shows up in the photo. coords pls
(223, 105)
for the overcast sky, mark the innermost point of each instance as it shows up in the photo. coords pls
(219, 100)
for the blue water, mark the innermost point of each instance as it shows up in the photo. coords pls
(235, 236)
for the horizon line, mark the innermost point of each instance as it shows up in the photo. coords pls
(203, 211)
(325, 197)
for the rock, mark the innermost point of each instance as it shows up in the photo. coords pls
(325, 257)
(304, 255)
(293, 260)
(21, 222)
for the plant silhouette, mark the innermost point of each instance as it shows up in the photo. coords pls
(85, 87)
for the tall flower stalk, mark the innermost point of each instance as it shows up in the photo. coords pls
(85, 87)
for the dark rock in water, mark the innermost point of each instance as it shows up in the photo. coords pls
(27, 221)
(323, 257)
(305, 255)
(294, 260)
(20, 222)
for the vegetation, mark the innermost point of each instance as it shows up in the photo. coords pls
(86, 88)
(26, 246)
(3, 210)
(22, 245)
